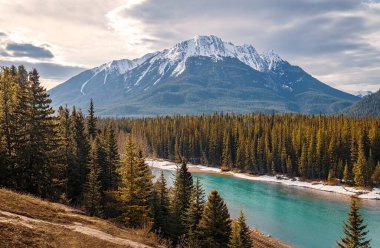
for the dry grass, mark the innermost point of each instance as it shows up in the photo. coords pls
(28, 221)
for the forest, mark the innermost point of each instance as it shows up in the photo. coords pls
(99, 165)
(306, 146)
(68, 158)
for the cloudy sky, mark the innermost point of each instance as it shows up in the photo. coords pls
(337, 41)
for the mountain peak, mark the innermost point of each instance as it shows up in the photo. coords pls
(201, 75)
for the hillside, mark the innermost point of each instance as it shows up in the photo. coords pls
(369, 106)
(27, 221)
(201, 75)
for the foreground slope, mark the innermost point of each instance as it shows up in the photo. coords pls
(26, 221)
(201, 75)
(369, 106)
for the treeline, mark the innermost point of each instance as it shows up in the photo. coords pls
(47, 155)
(311, 147)
(71, 159)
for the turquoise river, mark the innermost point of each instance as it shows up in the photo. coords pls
(301, 217)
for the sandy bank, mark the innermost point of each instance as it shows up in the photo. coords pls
(315, 185)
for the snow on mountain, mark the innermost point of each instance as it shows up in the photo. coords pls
(175, 58)
(362, 93)
(216, 48)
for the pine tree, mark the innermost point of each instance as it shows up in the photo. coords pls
(194, 213)
(241, 234)
(36, 139)
(112, 157)
(226, 156)
(8, 97)
(215, 225)
(347, 177)
(183, 186)
(92, 194)
(77, 169)
(160, 209)
(91, 121)
(354, 229)
(360, 167)
(135, 189)
(376, 175)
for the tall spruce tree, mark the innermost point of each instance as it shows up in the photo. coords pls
(376, 175)
(215, 225)
(135, 189)
(91, 121)
(226, 155)
(92, 193)
(160, 207)
(113, 158)
(360, 167)
(183, 185)
(354, 229)
(36, 139)
(194, 213)
(77, 170)
(241, 234)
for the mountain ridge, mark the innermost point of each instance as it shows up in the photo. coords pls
(239, 79)
(368, 106)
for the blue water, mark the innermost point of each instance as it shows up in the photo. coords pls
(301, 217)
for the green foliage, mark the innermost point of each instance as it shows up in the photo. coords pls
(183, 186)
(215, 225)
(93, 194)
(160, 207)
(354, 229)
(135, 188)
(240, 234)
(295, 145)
(376, 175)
(91, 121)
(195, 210)
(368, 106)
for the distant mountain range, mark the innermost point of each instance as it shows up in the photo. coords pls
(362, 93)
(201, 75)
(369, 106)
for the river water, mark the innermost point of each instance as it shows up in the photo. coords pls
(301, 217)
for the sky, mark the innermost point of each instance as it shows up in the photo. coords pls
(337, 41)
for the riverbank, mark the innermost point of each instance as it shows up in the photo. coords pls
(296, 182)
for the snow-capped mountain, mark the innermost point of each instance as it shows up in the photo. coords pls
(200, 75)
(363, 93)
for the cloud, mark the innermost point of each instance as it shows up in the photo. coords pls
(337, 41)
(51, 73)
(28, 50)
(328, 38)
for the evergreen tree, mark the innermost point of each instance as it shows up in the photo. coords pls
(183, 186)
(112, 157)
(215, 225)
(135, 189)
(194, 213)
(91, 121)
(360, 167)
(226, 156)
(347, 177)
(92, 194)
(376, 175)
(241, 234)
(77, 169)
(160, 209)
(36, 139)
(354, 229)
